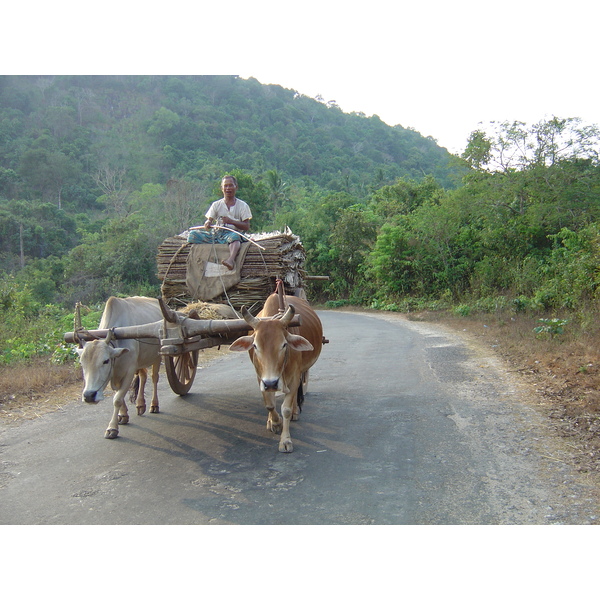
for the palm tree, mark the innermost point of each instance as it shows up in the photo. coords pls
(276, 190)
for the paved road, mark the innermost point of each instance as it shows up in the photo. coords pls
(403, 424)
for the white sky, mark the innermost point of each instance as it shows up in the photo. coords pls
(440, 67)
(443, 67)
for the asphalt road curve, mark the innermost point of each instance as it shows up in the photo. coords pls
(404, 423)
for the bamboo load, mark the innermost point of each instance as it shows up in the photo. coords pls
(280, 256)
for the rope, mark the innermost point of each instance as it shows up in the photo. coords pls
(110, 372)
(260, 248)
(221, 278)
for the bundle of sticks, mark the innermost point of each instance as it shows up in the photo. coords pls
(275, 255)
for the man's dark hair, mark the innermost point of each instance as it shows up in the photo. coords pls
(229, 177)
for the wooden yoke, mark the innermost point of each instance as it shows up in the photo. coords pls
(175, 331)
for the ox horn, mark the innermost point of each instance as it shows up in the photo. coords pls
(77, 338)
(109, 336)
(252, 321)
(288, 315)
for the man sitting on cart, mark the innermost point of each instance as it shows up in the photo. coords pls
(231, 216)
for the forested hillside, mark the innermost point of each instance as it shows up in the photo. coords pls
(82, 155)
(96, 171)
(60, 135)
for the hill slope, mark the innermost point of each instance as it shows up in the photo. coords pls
(161, 127)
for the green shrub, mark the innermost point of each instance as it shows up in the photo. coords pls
(30, 329)
(464, 310)
(520, 303)
(551, 326)
(337, 303)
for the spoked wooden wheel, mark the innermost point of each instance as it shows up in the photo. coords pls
(181, 370)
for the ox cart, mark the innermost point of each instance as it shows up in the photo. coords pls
(271, 261)
(181, 338)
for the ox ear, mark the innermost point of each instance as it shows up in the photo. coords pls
(242, 344)
(299, 343)
(116, 352)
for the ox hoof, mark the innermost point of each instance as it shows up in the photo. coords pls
(286, 446)
(273, 427)
(111, 434)
(154, 409)
(123, 420)
(141, 410)
(295, 417)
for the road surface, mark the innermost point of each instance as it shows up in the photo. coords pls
(404, 423)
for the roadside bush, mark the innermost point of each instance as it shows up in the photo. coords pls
(30, 329)
(337, 303)
(570, 274)
(551, 327)
(464, 310)
(520, 303)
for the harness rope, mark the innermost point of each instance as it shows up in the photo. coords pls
(112, 362)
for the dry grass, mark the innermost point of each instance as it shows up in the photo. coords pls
(27, 391)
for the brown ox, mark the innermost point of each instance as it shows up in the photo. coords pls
(282, 358)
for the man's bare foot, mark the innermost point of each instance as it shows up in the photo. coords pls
(228, 265)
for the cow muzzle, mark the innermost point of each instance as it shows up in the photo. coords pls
(91, 397)
(269, 385)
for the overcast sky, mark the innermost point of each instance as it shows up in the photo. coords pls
(444, 67)
(438, 67)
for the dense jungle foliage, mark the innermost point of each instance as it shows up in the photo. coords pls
(95, 171)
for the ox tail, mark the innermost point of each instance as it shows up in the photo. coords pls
(134, 389)
(300, 396)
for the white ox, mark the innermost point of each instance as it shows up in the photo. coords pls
(118, 361)
(282, 358)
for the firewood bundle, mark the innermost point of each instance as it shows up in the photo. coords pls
(282, 257)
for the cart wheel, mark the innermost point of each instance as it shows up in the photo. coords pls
(181, 370)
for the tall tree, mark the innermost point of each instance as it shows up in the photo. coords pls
(511, 146)
(47, 172)
(116, 192)
(183, 201)
(277, 190)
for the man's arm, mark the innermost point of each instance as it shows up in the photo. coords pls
(242, 225)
